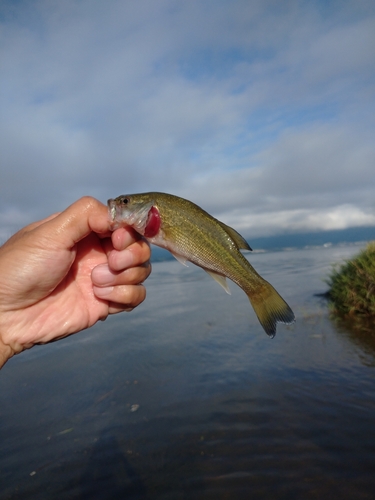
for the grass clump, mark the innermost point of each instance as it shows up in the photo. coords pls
(352, 285)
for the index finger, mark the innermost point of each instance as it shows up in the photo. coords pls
(124, 237)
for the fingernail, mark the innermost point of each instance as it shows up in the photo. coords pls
(101, 275)
(103, 292)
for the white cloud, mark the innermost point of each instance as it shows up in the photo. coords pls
(299, 220)
(262, 109)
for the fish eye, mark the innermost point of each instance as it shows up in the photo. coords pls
(125, 200)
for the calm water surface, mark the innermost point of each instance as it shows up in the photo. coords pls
(187, 398)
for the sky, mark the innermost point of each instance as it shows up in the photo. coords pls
(260, 111)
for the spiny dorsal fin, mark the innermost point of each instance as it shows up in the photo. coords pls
(236, 237)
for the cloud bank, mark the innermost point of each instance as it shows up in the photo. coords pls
(262, 112)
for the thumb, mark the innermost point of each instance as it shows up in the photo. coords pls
(77, 221)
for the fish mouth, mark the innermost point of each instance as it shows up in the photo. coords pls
(112, 211)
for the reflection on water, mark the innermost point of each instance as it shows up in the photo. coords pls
(186, 397)
(361, 333)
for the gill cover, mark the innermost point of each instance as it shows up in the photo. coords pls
(153, 223)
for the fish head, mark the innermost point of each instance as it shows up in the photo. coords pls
(135, 210)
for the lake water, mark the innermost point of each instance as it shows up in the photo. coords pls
(187, 398)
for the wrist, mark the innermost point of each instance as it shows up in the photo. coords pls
(6, 352)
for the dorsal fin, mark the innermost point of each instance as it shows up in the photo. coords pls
(236, 237)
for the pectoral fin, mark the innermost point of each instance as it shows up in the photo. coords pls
(180, 259)
(220, 279)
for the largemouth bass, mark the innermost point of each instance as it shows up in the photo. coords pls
(193, 235)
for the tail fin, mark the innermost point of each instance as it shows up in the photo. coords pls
(270, 308)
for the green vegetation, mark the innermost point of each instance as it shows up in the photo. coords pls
(352, 285)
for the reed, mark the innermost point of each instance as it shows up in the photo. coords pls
(352, 285)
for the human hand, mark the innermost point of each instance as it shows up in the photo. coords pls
(62, 274)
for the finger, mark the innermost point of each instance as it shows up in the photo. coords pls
(134, 255)
(124, 237)
(119, 240)
(106, 235)
(114, 308)
(121, 297)
(77, 221)
(103, 276)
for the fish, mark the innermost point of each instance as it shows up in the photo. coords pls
(191, 234)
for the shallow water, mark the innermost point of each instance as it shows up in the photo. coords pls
(186, 397)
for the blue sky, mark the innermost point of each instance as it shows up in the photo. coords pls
(262, 112)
